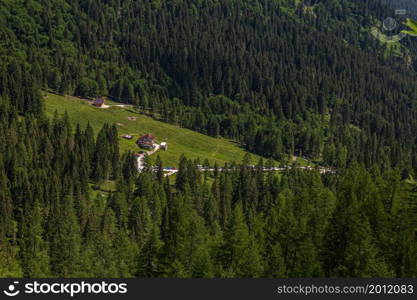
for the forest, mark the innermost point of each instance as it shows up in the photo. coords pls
(279, 77)
(242, 223)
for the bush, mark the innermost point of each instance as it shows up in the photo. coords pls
(87, 88)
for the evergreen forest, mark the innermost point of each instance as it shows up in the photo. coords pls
(281, 78)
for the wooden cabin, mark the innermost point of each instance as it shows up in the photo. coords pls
(146, 141)
(98, 102)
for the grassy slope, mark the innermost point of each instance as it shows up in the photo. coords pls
(180, 140)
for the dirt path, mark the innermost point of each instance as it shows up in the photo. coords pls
(121, 105)
(170, 172)
(141, 158)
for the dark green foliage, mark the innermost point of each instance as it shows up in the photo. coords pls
(237, 223)
(265, 73)
(276, 76)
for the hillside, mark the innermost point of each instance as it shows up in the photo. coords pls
(180, 140)
(279, 77)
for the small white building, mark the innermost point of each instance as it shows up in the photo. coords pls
(164, 146)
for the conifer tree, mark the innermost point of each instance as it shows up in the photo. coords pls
(65, 240)
(149, 259)
(33, 249)
(241, 254)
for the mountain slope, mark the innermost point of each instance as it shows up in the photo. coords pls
(180, 141)
(280, 77)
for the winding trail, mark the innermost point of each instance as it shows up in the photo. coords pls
(141, 158)
(170, 171)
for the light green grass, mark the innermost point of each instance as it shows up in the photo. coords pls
(180, 140)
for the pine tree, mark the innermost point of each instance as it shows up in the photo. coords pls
(160, 169)
(34, 250)
(351, 250)
(6, 205)
(149, 260)
(65, 240)
(225, 203)
(241, 254)
(9, 262)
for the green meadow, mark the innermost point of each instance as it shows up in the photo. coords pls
(180, 140)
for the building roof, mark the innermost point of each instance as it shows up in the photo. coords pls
(147, 136)
(99, 101)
